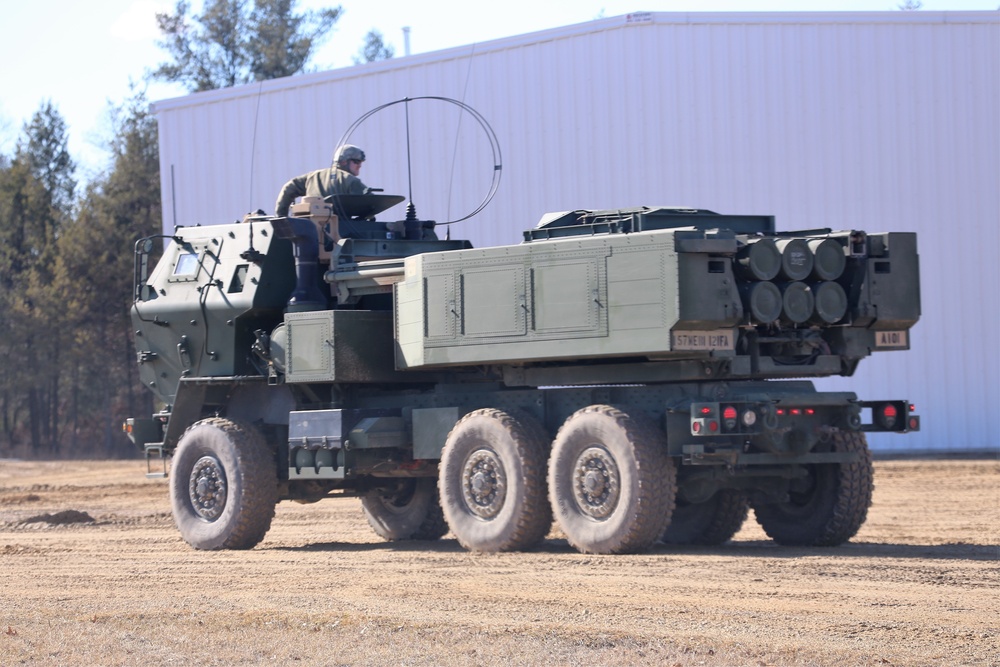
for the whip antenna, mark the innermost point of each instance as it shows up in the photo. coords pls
(253, 141)
(458, 131)
(252, 254)
(409, 168)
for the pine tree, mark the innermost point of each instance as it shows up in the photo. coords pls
(234, 42)
(374, 49)
(37, 200)
(94, 277)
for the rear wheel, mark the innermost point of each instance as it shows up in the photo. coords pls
(709, 523)
(492, 481)
(408, 510)
(223, 485)
(828, 506)
(611, 483)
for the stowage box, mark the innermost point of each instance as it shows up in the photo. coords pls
(603, 296)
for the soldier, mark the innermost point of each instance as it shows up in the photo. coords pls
(341, 179)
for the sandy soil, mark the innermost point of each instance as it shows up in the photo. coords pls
(94, 573)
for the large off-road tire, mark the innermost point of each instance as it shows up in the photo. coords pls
(409, 510)
(223, 485)
(709, 523)
(611, 483)
(492, 481)
(827, 507)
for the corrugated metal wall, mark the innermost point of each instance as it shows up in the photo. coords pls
(876, 121)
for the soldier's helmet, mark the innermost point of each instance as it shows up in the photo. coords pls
(349, 152)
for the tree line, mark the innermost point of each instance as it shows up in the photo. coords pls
(67, 361)
(68, 371)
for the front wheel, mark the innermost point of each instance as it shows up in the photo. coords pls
(826, 507)
(492, 481)
(408, 510)
(611, 483)
(223, 485)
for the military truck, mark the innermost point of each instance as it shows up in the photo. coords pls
(637, 375)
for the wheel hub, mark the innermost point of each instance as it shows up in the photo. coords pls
(207, 488)
(596, 483)
(484, 484)
(400, 497)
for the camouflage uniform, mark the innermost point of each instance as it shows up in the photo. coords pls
(320, 183)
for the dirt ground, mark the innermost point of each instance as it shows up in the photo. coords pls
(94, 573)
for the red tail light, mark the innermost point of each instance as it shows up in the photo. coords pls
(887, 415)
(729, 416)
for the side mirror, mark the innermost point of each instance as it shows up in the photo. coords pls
(146, 293)
(142, 291)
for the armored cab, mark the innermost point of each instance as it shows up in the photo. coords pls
(615, 372)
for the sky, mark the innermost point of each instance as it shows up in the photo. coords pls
(84, 56)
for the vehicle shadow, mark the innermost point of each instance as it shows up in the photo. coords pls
(748, 549)
(436, 546)
(768, 549)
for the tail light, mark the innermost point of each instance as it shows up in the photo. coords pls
(895, 416)
(887, 415)
(729, 418)
(704, 419)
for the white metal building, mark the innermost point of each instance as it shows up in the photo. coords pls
(877, 121)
